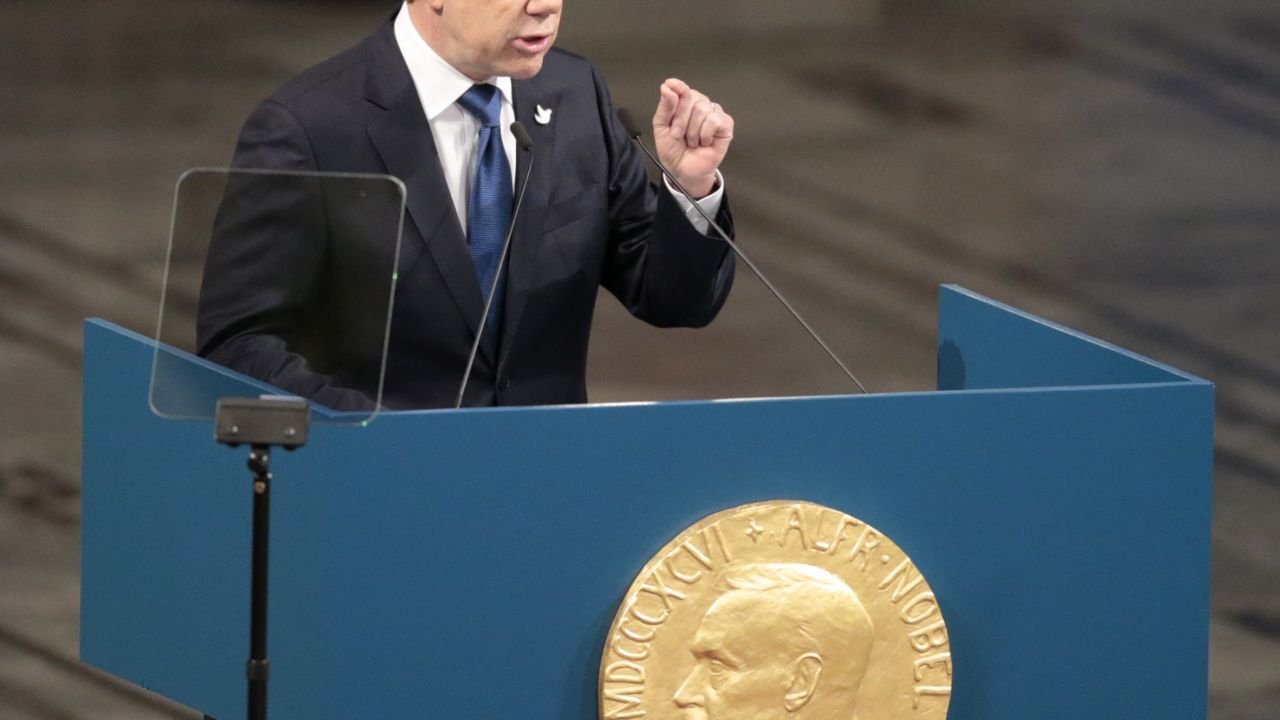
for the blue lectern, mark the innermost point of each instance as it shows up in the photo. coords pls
(1055, 491)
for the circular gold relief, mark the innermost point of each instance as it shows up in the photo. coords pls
(774, 610)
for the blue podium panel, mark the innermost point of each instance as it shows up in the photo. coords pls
(467, 564)
(983, 344)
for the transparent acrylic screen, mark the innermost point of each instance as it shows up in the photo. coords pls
(284, 279)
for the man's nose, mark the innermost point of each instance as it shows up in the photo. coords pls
(543, 7)
(690, 692)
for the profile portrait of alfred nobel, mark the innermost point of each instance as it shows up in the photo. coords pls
(781, 640)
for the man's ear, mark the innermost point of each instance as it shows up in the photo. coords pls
(434, 6)
(804, 681)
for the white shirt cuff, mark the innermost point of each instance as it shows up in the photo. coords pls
(709, 204)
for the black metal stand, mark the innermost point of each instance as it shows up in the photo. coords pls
(258, 666)
(261, 423)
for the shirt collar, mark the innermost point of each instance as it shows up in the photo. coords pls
(439, 84)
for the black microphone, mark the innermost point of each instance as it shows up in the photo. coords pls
(522, 136)
(525, 143)
(633, 131)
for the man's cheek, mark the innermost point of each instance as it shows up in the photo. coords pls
(726, 702)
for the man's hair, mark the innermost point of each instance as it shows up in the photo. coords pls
(813, 611)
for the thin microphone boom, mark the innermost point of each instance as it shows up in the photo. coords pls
(525, 143)
(633, 131)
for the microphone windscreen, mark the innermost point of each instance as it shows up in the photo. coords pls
(522, 136)
(629, 123)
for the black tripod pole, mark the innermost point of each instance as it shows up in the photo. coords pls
(261, 423)
(258, 665)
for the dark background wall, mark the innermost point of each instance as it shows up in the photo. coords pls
(1111, 165)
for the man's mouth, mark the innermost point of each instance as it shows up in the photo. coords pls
(533, 44)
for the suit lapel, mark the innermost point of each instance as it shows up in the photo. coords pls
(403, 140)
(521, 265)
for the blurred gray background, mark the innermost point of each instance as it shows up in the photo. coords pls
(1111, 165)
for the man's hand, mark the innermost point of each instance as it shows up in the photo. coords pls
(692, 134)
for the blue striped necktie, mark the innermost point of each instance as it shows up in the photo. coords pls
(489, 207)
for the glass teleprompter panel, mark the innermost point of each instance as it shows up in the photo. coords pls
(284, 281)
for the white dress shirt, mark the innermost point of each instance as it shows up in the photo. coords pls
(456, 131)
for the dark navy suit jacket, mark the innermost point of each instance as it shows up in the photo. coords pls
(272, 306)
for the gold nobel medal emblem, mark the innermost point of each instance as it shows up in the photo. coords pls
(778, 610)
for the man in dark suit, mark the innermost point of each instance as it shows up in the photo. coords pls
(403, 102)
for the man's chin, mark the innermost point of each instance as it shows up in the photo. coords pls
(526, 68)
